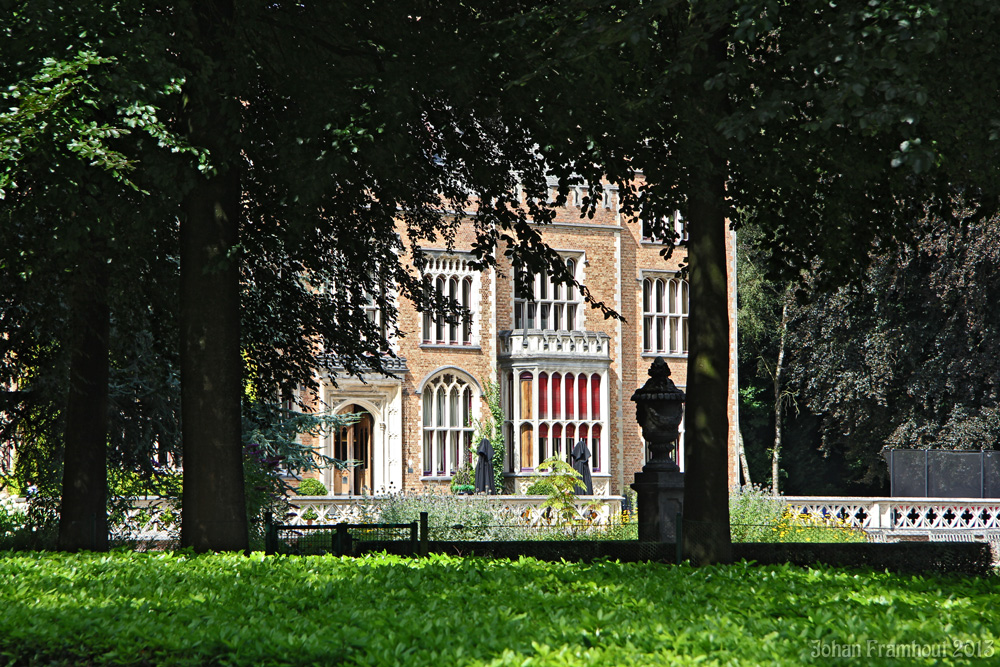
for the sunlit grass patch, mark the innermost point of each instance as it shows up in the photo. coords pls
(176, 609)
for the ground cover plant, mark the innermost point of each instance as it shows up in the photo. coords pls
(178, 609)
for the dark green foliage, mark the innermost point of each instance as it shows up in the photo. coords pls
(276, 428)
(907, 358)
(920, 558)
(540, 487)
(273, 451)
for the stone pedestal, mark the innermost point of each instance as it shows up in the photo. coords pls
(661, 498)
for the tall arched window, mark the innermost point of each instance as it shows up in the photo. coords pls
(447, 423)
(452, 278)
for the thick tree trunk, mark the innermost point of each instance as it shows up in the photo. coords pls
(83, 519)
(706, 532)
(214, 506)
(706, 489)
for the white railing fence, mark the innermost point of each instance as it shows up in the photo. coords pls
(152, 518)
(521, 510)
(898, 517)
(883, 518)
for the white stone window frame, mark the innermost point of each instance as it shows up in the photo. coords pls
(372, 310)
(552, 305)
(447, 425)
(608, 196)
(665, 301)
(519, 418)
(452, 273)
(674, 220)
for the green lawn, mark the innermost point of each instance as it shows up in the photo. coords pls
(230, 610)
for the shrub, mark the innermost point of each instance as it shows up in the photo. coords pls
(808, 527)
(31, 526)
(757, 516)
(264, 489)
(12, 522)
(540, 487)
(753, 513)
(311, 487)
(564, 481)
(449, 517)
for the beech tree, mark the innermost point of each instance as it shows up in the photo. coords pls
(336, 125)
(905, 357)
(830, 127)
(74, 232)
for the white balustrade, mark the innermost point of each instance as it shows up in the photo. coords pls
(511, 510)
(577, 344)
(149, 518)
(949, 519)
(942, 517)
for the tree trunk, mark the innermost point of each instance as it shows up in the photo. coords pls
(83, 518)
(706, 489)
(214, 506)
(779, 368)
(706, 532)
(744, 465)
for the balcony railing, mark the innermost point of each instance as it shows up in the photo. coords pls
(590, 345)
(394, 365)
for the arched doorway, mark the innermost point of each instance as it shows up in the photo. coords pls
(353, 444)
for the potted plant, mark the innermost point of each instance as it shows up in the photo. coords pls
(463, 481)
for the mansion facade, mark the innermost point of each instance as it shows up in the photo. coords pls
(565, 373)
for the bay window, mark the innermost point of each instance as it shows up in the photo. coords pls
(551, 411)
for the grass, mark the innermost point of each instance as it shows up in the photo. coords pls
(177, 609)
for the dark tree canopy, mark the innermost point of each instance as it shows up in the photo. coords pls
(907, 357)
(316, 127)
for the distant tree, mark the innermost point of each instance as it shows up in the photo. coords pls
(762, 324)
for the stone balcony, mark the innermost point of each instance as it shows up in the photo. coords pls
(394, 365)
(587, 346)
